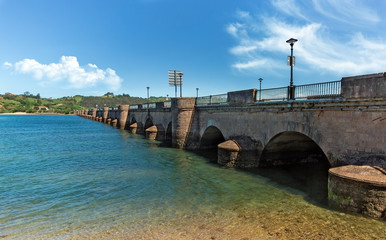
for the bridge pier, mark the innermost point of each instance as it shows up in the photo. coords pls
(360, 189)
(151, 133)
(136, 128)
(94, 113)
(228, 153)
(114, 122)
(182, 116)
(123, 111)
(105, 114)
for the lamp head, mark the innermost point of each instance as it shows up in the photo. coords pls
(291, 41)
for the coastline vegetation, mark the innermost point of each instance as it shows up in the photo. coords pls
(30, 103)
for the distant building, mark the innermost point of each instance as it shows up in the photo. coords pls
(43, 108)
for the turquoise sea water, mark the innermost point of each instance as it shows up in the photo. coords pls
(65, 177)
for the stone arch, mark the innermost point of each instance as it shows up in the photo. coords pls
(211, 137)
(300, 160)
(291, 147)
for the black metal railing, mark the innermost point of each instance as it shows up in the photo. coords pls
(318, 90)
(212, 100)
(149, 106)
(167, 104)
(272, 94)
(310, 91)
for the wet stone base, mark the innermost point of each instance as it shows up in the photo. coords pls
(360, 189)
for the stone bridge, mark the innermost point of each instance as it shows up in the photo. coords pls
(343, 131)
(348, 129)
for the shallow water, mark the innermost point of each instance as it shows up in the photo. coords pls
(65, 177)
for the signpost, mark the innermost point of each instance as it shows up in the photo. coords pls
(175, 79)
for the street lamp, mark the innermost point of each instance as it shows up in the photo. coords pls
(180, 75)
(147, 96)
(197, 92)
(260, 79)
(291, 62)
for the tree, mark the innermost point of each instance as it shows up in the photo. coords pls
(109, 94)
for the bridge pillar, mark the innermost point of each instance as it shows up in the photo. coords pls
(105, 114)
(151, 132)
(182, 116)
(123, 113)
(94, 113)
(228, 153)
(114, 122)
(360, 189)
(133, 128)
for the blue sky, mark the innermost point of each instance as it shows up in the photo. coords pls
(90, 47)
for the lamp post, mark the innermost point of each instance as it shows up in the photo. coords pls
(180, 75)
(291, 62)
(197, 92)
(260, 79)
(148, 96)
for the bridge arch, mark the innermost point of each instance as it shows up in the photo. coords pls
(211, 137)
(135, 127)
(133, 120)
(169, 133)
(148, 123)
(291, 147)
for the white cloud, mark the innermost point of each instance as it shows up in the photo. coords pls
(7, 64)
(260, 48)
(349, 11)
(288, 7)
(239, 50)
(243, 14)
(68, 70)
(250, 64)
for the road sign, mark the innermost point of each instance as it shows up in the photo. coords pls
(175, 78)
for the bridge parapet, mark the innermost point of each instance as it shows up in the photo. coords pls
(242, 97)
(364, 86)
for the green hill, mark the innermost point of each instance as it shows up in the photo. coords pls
(29, 103)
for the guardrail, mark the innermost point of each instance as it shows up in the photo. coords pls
(212, 100)
(149, 106)
(272, 94)
(325, 90)
(167, 104)
(309, 91)
(318, 90)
